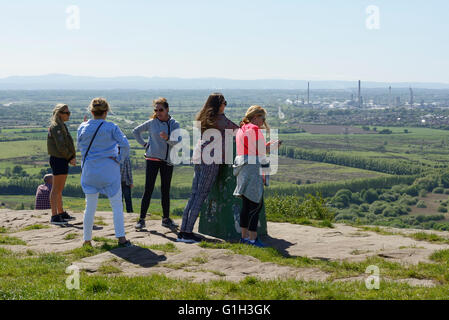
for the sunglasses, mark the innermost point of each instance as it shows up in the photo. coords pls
(66, 112)
(158, 110)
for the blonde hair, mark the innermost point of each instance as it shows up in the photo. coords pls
(160, 101)
(54, 120)
(98, 106)
(255, 111)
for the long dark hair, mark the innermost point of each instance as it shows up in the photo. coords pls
(208, 114)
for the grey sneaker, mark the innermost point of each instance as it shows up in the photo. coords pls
(140, 224)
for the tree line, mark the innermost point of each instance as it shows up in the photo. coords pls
(390, 166)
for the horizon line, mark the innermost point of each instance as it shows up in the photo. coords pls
(214, 78)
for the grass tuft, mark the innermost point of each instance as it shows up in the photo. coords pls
(429, 237)
(106, 268)
(71, 236)
(35, 227)
(6, 240)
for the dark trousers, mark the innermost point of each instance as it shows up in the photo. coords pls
(152, 170)
(126, 192)
(249, 216)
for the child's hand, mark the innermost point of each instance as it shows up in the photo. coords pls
(273, 145)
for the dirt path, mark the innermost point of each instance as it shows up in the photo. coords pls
(199, 264)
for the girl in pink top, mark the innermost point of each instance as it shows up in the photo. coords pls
(251, 156)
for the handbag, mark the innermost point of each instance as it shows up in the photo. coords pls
(90, 144)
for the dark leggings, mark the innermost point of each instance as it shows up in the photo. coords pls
(249, 216)
(153, 168)
(126, 194)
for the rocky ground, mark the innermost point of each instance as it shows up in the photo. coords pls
(190, 261)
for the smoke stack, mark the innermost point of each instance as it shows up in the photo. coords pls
(389, 96)
(308, 92)
(359, 97)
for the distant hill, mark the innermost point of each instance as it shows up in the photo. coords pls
(69, 82)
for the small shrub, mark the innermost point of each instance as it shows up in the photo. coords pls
(369, 195)
(345, 216)
(421, 204)
(439, 190)
(389, 212)
(377, 207)
(364, 207)
(423, 193)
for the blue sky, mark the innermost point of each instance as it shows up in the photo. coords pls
(245, 39)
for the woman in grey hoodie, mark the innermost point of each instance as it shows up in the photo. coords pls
(157, 156)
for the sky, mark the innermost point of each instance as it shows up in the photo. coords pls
(244, 39)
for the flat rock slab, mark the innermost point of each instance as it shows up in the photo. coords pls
(349, 243)
(192, 262)
(195, 264)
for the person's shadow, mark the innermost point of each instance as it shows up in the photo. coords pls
(138, 255)
(156, 233)
(79, 226)
(280, 245)
(203, 238)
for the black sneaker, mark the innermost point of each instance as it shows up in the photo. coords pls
(188, 237)
(169, 223)
(58, 220)
(140, 224)
(66, 216)
(126, 244)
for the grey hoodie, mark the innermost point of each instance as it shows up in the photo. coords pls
(156, 146)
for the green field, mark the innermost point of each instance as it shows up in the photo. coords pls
(23, 149)
(419, 144)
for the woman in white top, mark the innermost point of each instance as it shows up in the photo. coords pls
(99, 141)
